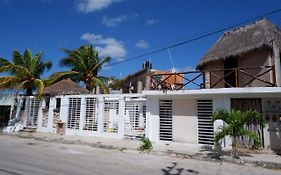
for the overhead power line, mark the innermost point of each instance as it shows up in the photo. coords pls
(195, 38)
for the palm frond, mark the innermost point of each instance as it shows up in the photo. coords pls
(221, 114)
(222, 132)
(57, 76)
(252, 115)
(27, 57)
(9, 82)
(17, 58)
(98, 66)
(252, 135)
(40, 87)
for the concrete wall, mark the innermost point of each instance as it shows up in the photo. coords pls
(185, 120)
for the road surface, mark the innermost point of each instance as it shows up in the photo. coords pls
(30, 157)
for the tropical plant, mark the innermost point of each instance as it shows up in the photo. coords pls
(117, 84)
(24, 72)
(85, 64)
(235, 126)
(146, 145)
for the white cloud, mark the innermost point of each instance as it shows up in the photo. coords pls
(106, 46)
(186, 69)
(150, 22)
(88, 6)
(142, 44)
(114, 21)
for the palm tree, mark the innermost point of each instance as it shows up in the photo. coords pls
(85, 64)
(24, 72)
(235, 126)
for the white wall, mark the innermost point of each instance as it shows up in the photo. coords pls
(185, 123)
(152, 119)
(64, 115)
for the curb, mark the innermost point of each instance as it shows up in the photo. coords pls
(202, 157)
(74, 142)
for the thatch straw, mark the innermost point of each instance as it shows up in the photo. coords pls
(65, 87)
(243, 40)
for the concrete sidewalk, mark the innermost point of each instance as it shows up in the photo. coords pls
(181, 150)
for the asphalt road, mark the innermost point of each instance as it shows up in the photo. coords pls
(29, 157)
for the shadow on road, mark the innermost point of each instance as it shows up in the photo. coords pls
(173, 170)
(210, 152)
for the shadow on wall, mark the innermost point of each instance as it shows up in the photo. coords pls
(173, 170)
(275, 141)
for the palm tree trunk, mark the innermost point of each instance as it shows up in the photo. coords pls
(235, 147)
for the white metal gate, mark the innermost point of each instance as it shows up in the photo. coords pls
(33, 112)
(205, 126)
(166, 120)
(91, 120)
(135, 114)
(111, 116)
(74, 110)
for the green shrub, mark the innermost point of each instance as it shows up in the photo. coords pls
(146, 145)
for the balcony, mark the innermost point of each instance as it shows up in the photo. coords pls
(215, 78)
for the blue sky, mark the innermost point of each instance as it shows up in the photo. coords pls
(122, 28)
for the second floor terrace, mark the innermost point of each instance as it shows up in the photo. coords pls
(262, 76)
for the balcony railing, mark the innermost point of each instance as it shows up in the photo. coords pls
(215, 78)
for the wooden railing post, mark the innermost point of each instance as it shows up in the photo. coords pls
(276, 53)
(236, 77)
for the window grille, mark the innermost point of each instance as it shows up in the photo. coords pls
(110, 117)
(33, 112)
(205, 126)
(74, 110)
(91, 121)
(144, 114)
(166, 121)
(134, 119)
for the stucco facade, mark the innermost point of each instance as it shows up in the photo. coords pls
(185, 112)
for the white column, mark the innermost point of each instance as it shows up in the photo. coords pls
(152, 119)
(82, 113)
(222, 103)
(26, 111)
(64, 109)
(121, 118)
(40, 115)
(52, 106)
(100, 114)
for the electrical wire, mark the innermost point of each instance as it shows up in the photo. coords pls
(196, 38)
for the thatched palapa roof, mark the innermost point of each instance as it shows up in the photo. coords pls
(242, 40)
(65, 87)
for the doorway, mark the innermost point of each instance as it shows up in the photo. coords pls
(230, 73)
(4, 115)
